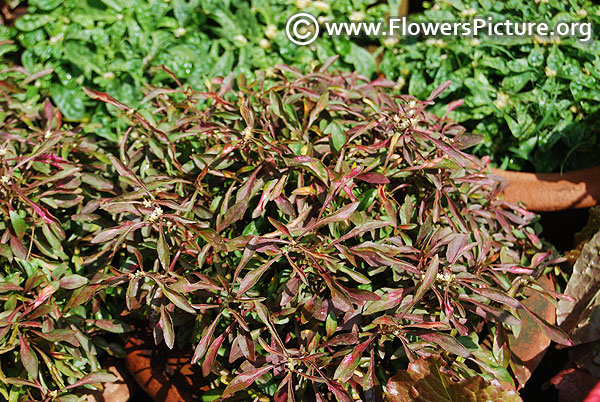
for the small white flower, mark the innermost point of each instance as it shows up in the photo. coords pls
(302, 3)
(434, 42)
(322, 19)
(157, 213)
(540, 40)
(179, 32)
(400, 84)
(446, 277)
(550, 72)
(357, 16)
(574, 109)
(109, 75)
(55, 39)
(406, 124)
(241, 39)
(48, 134)
(412, 104)
(5, 179)
(321, 6)
(582, 13)
(247, 133)
(501, 100)
(436, 7)
(37, 84)
(264, 43)
(119, 17)
(470, 12)
(271, 31)
(390, 41)
(147, 203)
(443, 56)
(475, 42)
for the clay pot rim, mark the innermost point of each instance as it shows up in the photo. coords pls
(546, 192)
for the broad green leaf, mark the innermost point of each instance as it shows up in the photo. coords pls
(18, 224)
(69, 101)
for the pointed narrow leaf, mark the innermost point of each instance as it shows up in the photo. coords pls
(18, 224)
(253, 276)
(244, 380)
(350, 362)
(162, 248)
(28, 358)
(94, 378)
(167, 326)
(205, 341)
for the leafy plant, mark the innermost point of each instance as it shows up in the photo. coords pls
(49, 340)
(533, 99)
(311, 235)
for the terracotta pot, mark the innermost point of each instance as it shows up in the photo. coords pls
(545, 192)
(164, 374)
(122, 390)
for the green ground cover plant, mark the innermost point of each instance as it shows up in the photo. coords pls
(535, 100)
(308, 236)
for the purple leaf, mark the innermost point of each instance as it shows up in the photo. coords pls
(205, 341)
(28, 357)
(94, 378)
(209, 361)
(167, 326)
(253, 276)
(350, 362)
(244, 380)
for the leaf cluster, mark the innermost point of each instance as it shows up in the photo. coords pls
(534, 99)
(313, 234)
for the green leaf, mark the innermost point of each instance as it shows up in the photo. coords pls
(18, 224)
(350, 362)
(28, 358)
(162, 248)
(244, 380)
(314, 166)
(177, 299)
(338, 138)
(30, 22)
(93, 378)
(73, 281)
(69, 101)
(363, 61)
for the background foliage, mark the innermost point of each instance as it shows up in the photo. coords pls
(535, 101)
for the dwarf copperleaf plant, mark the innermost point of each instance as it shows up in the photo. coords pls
(311, 236)
(50, 339)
